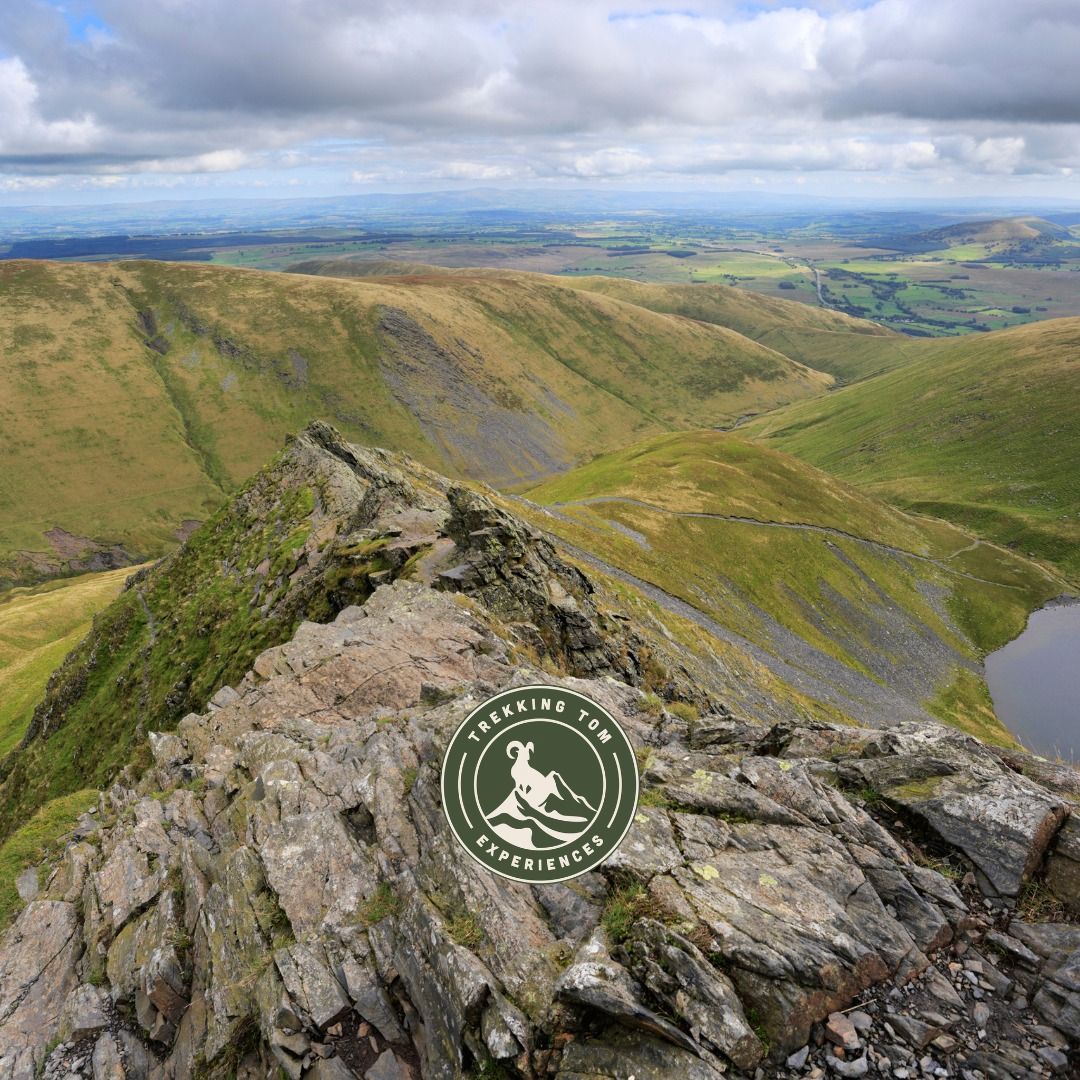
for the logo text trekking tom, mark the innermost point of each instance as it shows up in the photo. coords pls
(540, 784)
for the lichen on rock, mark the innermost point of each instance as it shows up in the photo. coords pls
(277, 889)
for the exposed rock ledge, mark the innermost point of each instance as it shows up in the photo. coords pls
(280, 893)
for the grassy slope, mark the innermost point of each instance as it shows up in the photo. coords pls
(193, 623)
(112, 439)
(40, 839)
(38, 627)
(826, 589)
(983, 431)
(828, 341)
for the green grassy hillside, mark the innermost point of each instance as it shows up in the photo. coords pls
(186, 626)
(829, 341)
(826, 340)
(38, 628)
(42, 837)
(983, 431)
(806, 567)
(134, 395)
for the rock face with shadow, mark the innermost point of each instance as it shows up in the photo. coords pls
(278, 892)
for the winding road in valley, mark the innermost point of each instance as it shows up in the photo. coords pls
(795, 264)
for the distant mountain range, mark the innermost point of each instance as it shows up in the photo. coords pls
(1000, 237)
(998, 230)
(164, 216)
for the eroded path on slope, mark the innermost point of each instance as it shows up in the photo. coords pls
(802, 526)
(789, 657)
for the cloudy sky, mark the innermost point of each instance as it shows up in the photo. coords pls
(164, 98)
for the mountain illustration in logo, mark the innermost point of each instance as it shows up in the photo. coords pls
(542, 810)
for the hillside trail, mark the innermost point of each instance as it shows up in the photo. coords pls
(824, 530)
(970, 547)
(787, 656)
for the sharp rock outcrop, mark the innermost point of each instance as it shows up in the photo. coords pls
(277, 891)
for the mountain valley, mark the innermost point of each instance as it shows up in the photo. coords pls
(777, 542)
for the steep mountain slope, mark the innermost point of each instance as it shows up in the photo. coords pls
(829, 341)
(856, 613)
(303, 539)
(983, 431)
(38, 628)
(869, 610)
(826, 340)
(272, 888)
(132, 396)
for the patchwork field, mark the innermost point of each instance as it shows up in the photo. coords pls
(919, 272)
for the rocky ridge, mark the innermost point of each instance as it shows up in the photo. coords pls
(279, 891)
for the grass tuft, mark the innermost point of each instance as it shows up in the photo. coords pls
(383, 903)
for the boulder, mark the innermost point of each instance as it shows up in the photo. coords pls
(797, 924)
(306, 973)
(999, 819)
(388, 1066)
(146, 968)
(86, 1013)
(319, 872)
(597, 982)
(126, 883)
(618, 1053)
(332, 1069)
(106, 1060)
(676, 973)
(1058, 998)
(840, 1031)
(37, 973)
(1063, 865)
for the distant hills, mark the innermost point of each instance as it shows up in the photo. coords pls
(827, 340)
(846, 348)
(155, 216)
(1023, 239)
(1000, 230)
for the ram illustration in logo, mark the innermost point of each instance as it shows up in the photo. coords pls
(541, 810)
